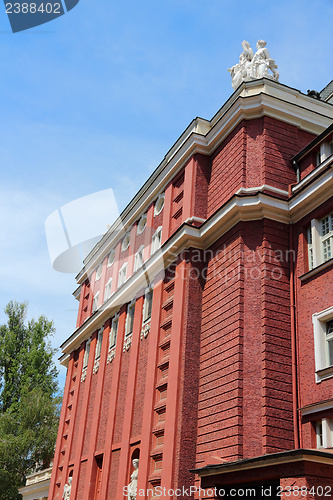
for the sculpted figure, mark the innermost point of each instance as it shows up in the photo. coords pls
(263, 62)
(132, 487)
(67, 489)
(242, 71)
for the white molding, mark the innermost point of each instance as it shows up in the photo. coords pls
(264, 187)
(322, 368)
(316, 408)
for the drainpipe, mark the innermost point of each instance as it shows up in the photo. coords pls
(293, 339)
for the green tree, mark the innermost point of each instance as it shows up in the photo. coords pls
(29, 405)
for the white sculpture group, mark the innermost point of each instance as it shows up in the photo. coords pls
(253, 66)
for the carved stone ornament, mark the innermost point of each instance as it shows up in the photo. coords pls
(111, 355)
(96, 366)
(253, 66)
(145, 330)
(67, 489)
(127, 343)
(84, 374)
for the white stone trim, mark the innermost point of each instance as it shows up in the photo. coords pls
(263, 187)
(141, 224)
(316, 408)
(323, 370)
(126, 241)
(159, 204)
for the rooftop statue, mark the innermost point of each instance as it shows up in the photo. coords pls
(253, 66)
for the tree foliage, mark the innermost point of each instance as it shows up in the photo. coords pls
(29, 406)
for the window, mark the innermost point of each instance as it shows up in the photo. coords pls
(156, 240)
(95, 303)
(320, 241)
(111, 257)
(326, 149)
(107, 292)
(86, 354)
(122, 275)
(147, 305)
(99, 272)
(324, 433)
(142, 224)
(98, 349)
(130, 318)
(114, 331)
(159, 204)
(323, 340)
(138, 259)
(126, 242)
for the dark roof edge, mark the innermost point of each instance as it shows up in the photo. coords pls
(312, 144)
(263, 458)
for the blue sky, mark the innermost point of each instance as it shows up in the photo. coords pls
(94, 100)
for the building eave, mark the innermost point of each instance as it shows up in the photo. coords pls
(285, 457)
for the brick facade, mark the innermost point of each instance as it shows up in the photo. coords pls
(222, 373)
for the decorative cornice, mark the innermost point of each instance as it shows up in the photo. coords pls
(251, 100)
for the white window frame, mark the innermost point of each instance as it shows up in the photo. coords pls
(114, 331)
(156, 240)
(159, 204)
(122, 275)
(95, 303)
(99, 272)
(86, 354)
(324, 433)
(138, 258)
(126, 241)
(111, 257)
(323, 369)
(141, 224)
(107, 290)
(98, 348)
(129, 318)
(317, 239)
(148, 292)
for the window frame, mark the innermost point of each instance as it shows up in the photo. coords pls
(86, 354)
(323, 369)
(157, 236)
(98, 349)
(130, 318)
(316, 240)
(149, 292)
(95, 305)
(138, 262)
(111, 257)
(159, 204)
(122, 271)
(108, 287)
(324, 439)
(99, 272)
(114, 331)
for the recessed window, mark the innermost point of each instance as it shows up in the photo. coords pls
(111, 257)
(95, 303)
(126, 242)
(142, 224)
(114, 331)
(99, 344)
(107, 292)
(86, 354)
(156, 240)
(138, 259)
(99, 272)
(147, 305)
(130, 318)
(159, 204)
(320, 241)
(122, 275)
(323, 340)
(324, 433)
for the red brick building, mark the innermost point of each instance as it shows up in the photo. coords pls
(204, 340)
